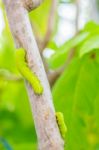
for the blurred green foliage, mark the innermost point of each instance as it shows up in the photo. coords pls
(75, 93)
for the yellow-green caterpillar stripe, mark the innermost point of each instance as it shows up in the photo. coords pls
(61, 124)
(26, 72)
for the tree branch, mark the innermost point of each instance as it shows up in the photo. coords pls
(53, 76)
(48, 134)
(8, 76)
(50, 24)
(42, 43)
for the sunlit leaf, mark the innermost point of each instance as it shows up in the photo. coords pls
(59, 58)
(89, 45)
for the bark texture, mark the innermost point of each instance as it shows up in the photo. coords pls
(48, 134)
(31, 4)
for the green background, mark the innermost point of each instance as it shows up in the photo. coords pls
(75, 93)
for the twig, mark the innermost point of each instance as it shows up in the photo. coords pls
(42, 43)
(8, 76)
(54, 75)
(50, 25)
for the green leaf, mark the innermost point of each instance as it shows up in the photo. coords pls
(89, 45)
(83, 120)
(59, 58)
(63, 92)
(75, 95)
(91, 27)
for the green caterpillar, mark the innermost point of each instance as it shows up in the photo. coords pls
(61, 124)
(26, 72)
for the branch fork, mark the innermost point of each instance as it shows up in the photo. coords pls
(31, 4)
